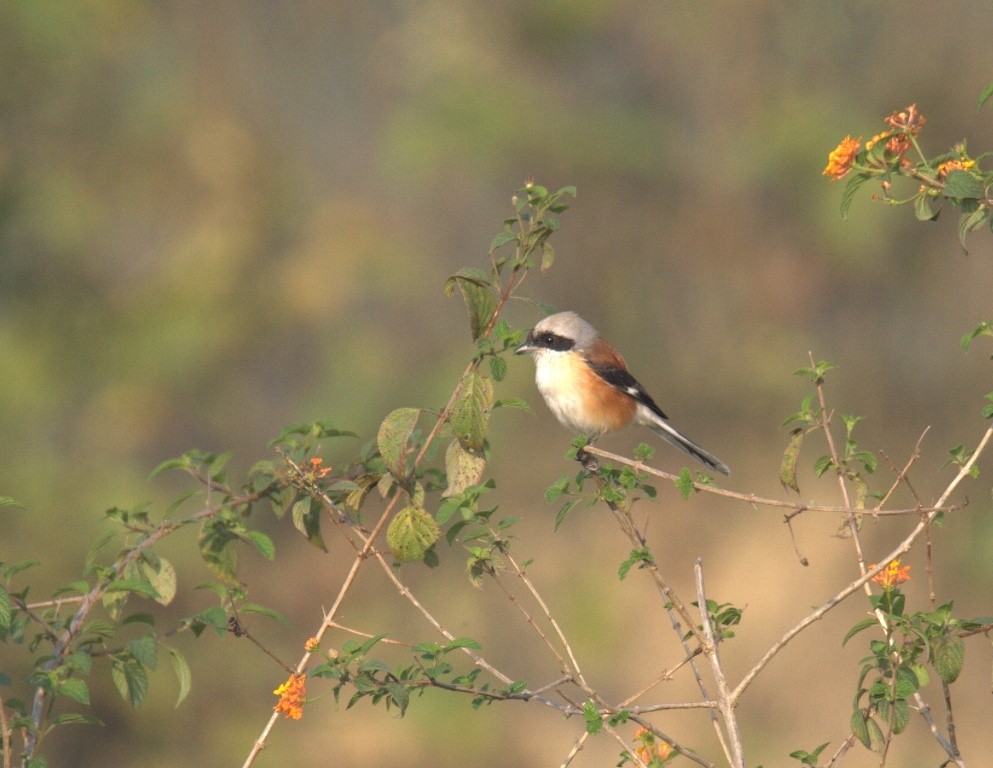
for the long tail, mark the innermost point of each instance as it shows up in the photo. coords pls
(667, 432)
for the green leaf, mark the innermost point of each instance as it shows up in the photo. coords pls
(512, 402)
(859, 727)
(5, 612)
(684, 483)
(859, 627)
(985, 96)
(899, 716)
(471, 412)
(507, 236)
(7, 501)
(75, 688)
(971, 221)
(215, 617)
(594, 723)
(145, 650)
(162, 577)
(962, 184)
(131, 680)
(137, 586)
(392, 439)
(307, 519)
(261, 610)
(182, 670)
(463, 468)
(948, 656)
(851, 188)
(922, 208)
(262, 543)
(477, 291)
(566, 509)
(498, 368)
(411, 533)
(76, 718)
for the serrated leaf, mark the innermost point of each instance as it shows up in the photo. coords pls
(471, 413)
(75, 688)
(162, 576)
(787, 470)
(392, 439)
(877, 742)
(859, 727)
(502, 239)
(498, 368)
(684, 483)
(948, 656)
(145, 650)
(463, 468)
(899, 716)
(307, 519)
(411, 533)
(962, 184)
(477, 292)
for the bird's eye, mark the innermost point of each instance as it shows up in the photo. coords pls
(550, 340)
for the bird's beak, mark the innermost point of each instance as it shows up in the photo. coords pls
(526, 347)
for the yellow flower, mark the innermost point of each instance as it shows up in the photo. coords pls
(891, 575)
(954, 165)
(311, 644)
(841, 158)
(292, 694)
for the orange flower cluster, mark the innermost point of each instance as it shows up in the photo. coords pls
(841, 158)
(891, 575)
(292, 695)
(315, 470)
(903, 124)
(651, 748)
(311, 644)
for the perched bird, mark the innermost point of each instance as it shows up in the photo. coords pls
(586, 384)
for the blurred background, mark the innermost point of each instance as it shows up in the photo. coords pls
(217, 219)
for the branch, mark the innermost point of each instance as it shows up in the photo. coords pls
(751, 498)
(725, 701)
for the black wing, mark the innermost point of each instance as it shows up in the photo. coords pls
(622, 380)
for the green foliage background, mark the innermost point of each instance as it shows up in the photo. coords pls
(220, 218)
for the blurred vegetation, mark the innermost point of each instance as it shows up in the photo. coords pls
(218, 219)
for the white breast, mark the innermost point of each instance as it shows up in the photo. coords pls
(557, 374)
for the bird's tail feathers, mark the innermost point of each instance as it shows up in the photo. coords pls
(667, 432)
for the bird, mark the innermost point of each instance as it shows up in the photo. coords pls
(587, 386)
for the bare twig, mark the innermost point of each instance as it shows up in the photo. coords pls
(902, 548)
(754, 500)
(725, 700)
